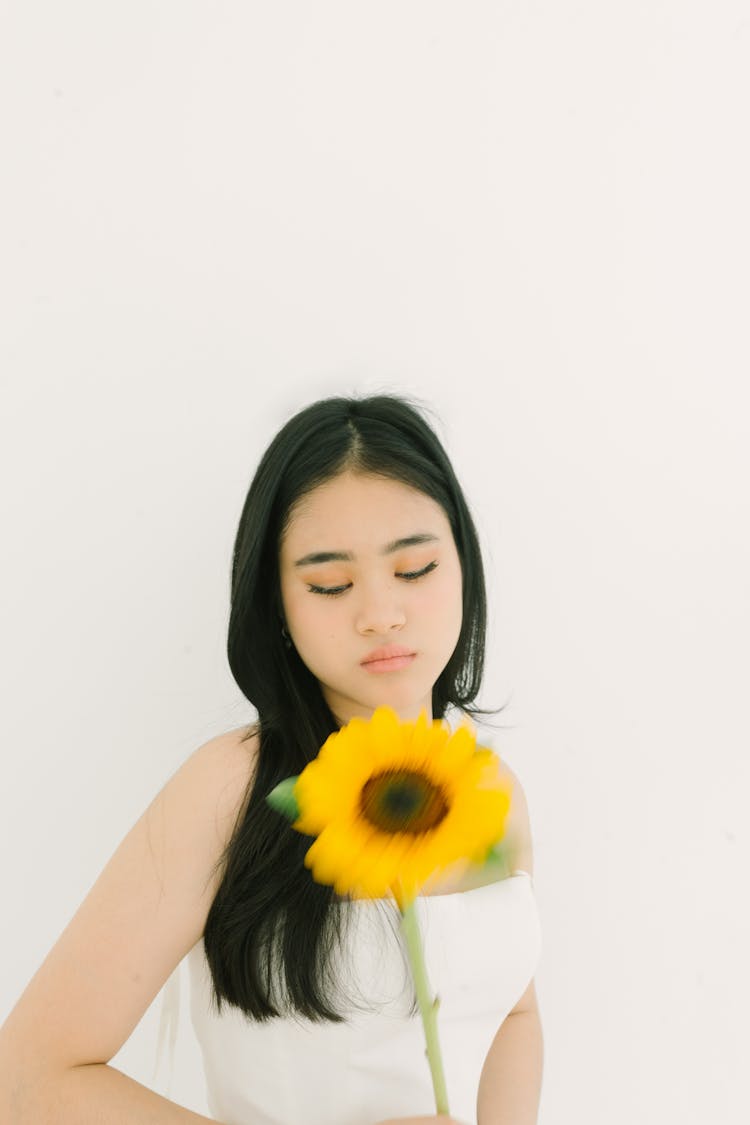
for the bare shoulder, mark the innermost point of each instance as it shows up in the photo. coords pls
(518, 831)
(212, 787)
(518, 827)
(227, 764)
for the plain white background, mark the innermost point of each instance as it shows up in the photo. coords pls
(532, 216)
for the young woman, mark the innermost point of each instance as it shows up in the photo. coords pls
(357, 581)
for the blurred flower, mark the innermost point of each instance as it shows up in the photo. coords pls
(393, 804)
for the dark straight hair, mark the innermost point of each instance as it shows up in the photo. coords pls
(271, 930)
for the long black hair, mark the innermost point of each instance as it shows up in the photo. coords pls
(271, 929)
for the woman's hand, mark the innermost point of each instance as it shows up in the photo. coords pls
(434, 1119)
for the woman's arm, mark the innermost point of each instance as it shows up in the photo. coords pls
(144, 913)
(510, 1084)
(99, 1094)
(511, 1080)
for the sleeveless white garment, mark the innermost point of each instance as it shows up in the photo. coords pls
(481, 949)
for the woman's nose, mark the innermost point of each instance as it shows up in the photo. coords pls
(380, 612)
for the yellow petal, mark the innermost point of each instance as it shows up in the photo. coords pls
(372, 869)
(332, 852)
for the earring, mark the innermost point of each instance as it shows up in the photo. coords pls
(287, 638)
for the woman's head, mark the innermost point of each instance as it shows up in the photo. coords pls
(354, 475)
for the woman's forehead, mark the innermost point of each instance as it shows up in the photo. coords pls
(369, 511)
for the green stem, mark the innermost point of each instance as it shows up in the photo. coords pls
(427, 1006)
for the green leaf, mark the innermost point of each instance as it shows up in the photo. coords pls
(282, 799)
(498, 859)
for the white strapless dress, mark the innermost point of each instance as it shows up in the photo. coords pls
(481, 947)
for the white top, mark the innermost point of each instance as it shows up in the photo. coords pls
(481, 951)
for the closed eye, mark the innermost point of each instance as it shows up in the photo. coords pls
(410, 576)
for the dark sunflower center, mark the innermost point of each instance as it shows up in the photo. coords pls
(402, 801)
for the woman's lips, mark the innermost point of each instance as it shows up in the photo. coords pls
(390, 665)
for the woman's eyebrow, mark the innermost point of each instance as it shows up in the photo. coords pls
(348, 556)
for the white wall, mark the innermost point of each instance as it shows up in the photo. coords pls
(533, 216)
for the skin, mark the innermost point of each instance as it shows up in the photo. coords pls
(332, 633)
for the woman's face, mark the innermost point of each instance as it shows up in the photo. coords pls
(376, 605)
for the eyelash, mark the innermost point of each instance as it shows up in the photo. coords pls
(335, 591)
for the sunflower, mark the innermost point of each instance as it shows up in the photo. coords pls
(394, 803)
